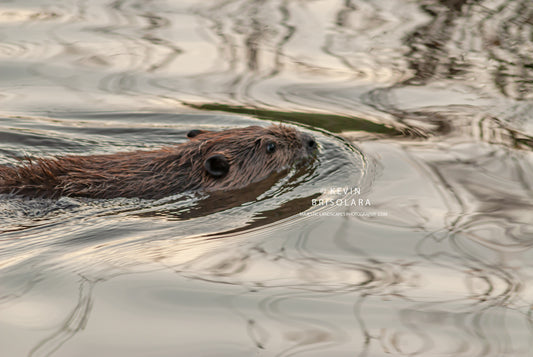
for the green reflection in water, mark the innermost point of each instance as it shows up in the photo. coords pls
(331, 122)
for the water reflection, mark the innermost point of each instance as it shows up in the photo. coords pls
(468, 51)
(447, 272)
(73, 324)
(422, 68)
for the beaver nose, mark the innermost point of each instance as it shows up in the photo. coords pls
(309, 142)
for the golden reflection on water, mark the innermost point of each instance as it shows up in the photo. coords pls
(446, 273)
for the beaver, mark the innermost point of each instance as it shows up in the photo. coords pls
(209, 160)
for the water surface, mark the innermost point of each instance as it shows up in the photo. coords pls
(422, 245)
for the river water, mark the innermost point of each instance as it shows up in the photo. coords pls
(411, 234)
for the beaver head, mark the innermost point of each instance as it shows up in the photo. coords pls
(237, 157)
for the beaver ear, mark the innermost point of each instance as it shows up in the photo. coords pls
(217, 165)
(195, 132)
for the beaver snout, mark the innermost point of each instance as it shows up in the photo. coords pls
(309, 143)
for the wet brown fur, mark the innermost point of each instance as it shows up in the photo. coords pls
(162, 172)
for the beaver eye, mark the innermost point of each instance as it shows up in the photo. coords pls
(271, 147)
